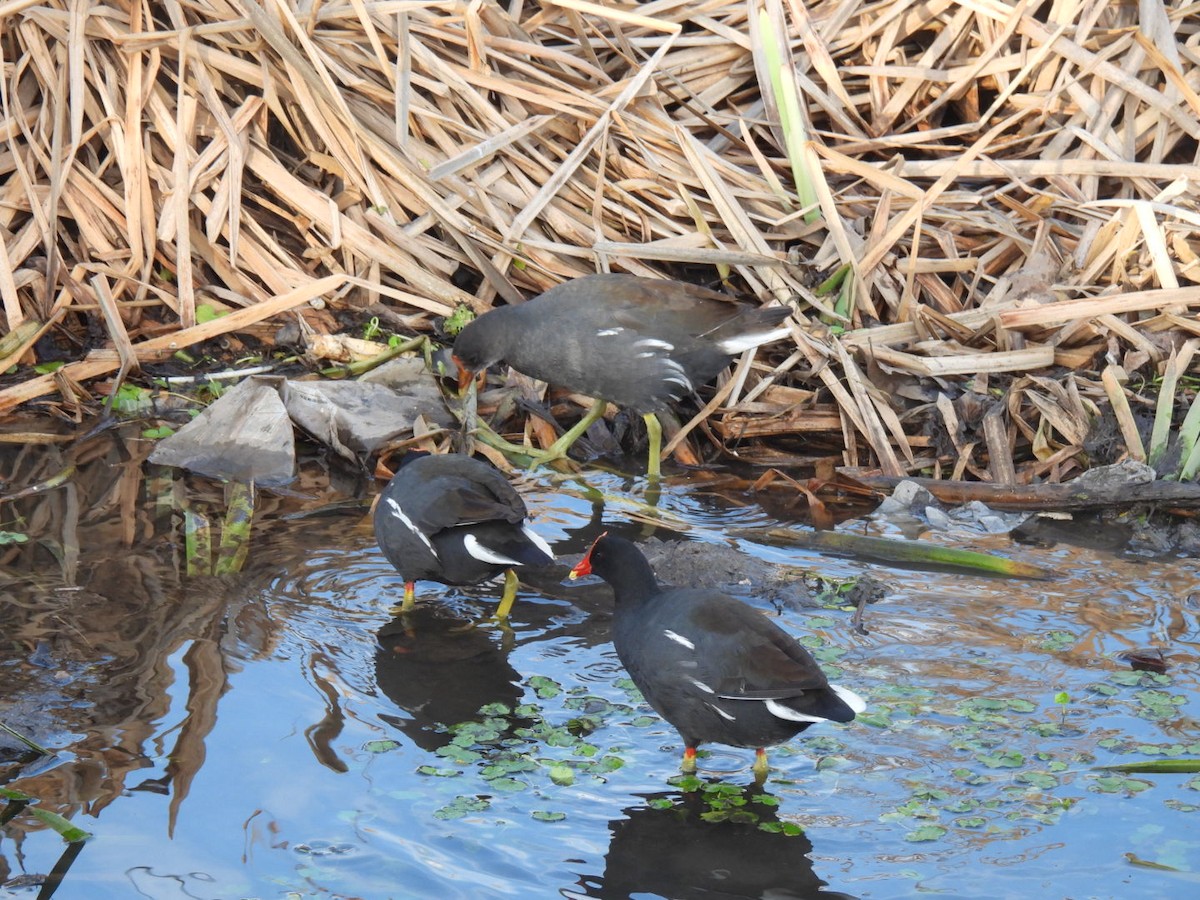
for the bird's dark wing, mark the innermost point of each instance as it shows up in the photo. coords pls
(760, 660)
(462, 501)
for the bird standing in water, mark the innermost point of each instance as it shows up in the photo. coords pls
(716, 669)
(456, 520)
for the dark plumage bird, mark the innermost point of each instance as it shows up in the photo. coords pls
(456, 520)
(715, 668)
(641, 343)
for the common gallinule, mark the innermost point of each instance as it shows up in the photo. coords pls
(642, 343)
(712, 666)
(456, 520)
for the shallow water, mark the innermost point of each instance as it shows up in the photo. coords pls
(282, 734)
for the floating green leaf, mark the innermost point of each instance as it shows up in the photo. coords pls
(603, 766)
(457, 754)
(546, 688)
(1005, 759)
(930, 793)
(926, 833)
(507, 785)
(1041, 780)
(1057, 641)
(545, 815)
(435, 772)
(461, 806)
(686, 783)
(380, 746)
(508, 766)
(1112, 784)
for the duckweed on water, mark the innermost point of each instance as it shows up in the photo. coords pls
(461, 807)
(1057, 641)
(926, 833)
(1005, 781)
(381, 746)
(514, 749)
(1118, 784)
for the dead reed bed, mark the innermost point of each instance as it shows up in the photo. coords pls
(1007, 189)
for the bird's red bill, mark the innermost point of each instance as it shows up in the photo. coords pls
(465, 375)
(584, 566)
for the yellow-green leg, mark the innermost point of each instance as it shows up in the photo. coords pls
(410, 597)
(559, 448)
(511, 583)
(760, 766)
(654, 432)
(688, 766)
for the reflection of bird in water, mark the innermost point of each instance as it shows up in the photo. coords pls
(441, 671)
(673, 851)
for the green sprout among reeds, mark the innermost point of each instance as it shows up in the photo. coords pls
(791, 118)
(1188, 437)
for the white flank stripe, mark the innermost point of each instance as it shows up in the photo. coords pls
(678, 375)
(483, 554)
(537, 540)
(720, 712)
(742, 342)
(653, 344)
(851, 699)
(702, 686)
(609, 332)
(778, 709)
(679, 639)
(408, 523)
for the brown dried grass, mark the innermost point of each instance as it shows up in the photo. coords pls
(1014, 186)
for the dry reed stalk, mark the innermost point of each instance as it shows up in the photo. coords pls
(1013, 189)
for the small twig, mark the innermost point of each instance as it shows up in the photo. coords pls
(856, 620)
(32, 745)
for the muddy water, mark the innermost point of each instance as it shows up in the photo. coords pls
(282, 734)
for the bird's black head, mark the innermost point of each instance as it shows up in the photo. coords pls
(620, 563)
(474, 348)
